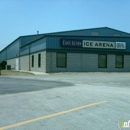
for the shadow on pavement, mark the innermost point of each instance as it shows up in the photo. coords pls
(14, 85)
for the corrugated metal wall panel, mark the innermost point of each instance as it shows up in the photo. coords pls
(24, 50)
(38, 45)
(13, 50)
(3, 55)
(88, 32)
(34, 47)
(54, 43)
(27, 39)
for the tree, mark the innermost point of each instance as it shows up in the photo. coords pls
(0, 70)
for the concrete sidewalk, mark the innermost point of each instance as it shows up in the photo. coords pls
(33, 72)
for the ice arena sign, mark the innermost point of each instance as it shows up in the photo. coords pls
(104, 44)
(92, 44)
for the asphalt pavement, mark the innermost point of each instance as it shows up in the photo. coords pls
(65, 101)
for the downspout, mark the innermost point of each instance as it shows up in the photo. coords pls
(29, 58)
(19, 57)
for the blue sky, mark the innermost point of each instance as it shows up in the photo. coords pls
(25, 17)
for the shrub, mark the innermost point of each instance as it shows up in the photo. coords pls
(0, 69)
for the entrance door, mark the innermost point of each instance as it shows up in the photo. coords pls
(17, 64)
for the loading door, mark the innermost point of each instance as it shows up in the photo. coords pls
(17, 64)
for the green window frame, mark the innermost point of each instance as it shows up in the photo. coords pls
(102, 61)
(61, 60)
(119, 61)
(39, 60)
(32, 60)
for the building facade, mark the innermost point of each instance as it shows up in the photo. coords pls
(88, 50)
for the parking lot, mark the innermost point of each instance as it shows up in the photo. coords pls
(64, 101)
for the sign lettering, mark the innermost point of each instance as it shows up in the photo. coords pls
(98, 44)
(71, 43)
(92, 44)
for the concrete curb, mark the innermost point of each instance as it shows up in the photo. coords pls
(33, 72)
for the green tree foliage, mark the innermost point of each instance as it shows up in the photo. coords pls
(0, 69)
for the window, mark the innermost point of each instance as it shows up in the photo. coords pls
(32, 60)
(61, 60)
(39, 60)
(119, 61)
(102, 61)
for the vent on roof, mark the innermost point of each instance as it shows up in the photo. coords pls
(116, 35)
(37, 32)
(95, 33)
